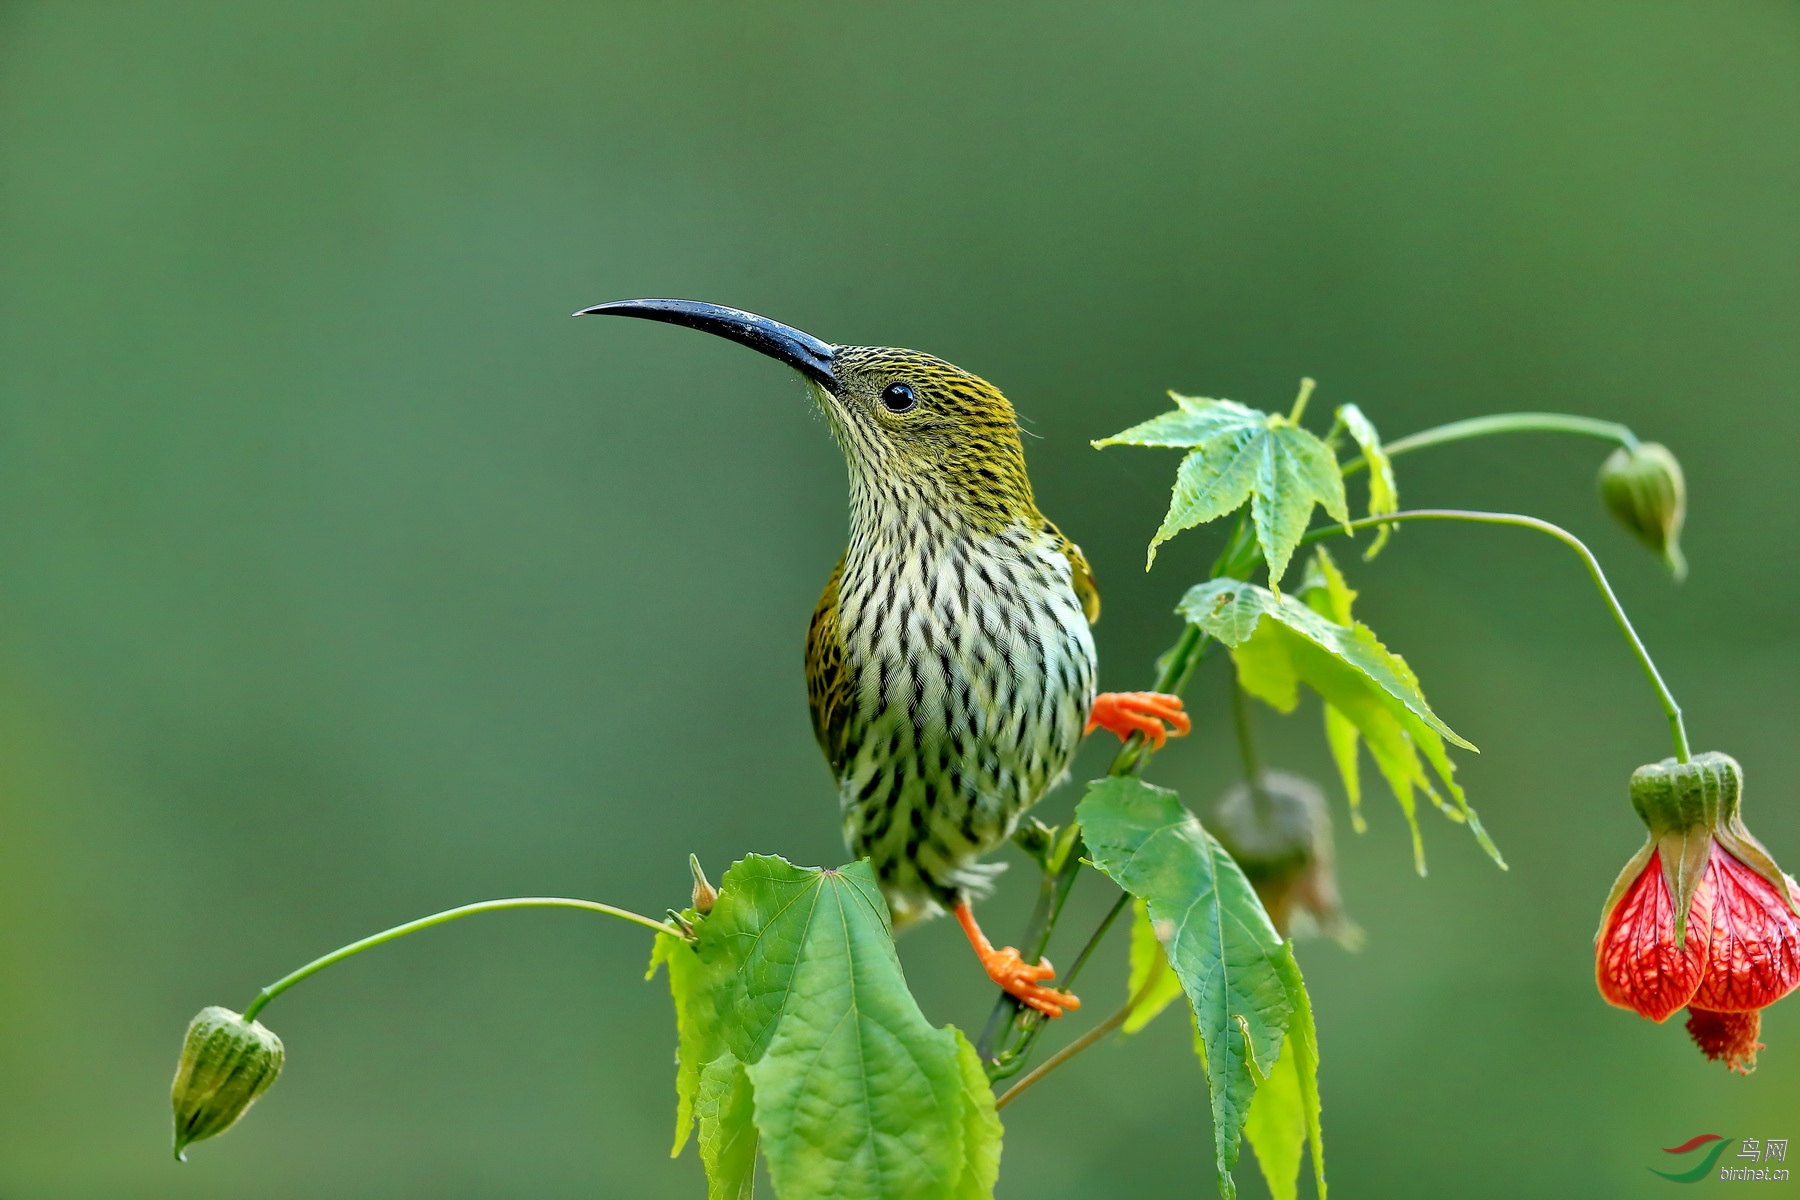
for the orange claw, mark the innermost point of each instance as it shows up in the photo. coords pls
(1126, 713)
(1011, 972)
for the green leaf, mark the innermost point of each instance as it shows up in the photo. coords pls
(1265, 667)
(1432, 747)
(822, 1055)
(1384, 495)
(1149, 969)
(1376, 717)
(1284, 1117)
(1297, 470)
(728, 1136)
(981, 1127)
(1371, 694)
(1327, 593)
(1325, 589)
(1224, 608)
(1214, 480)
(1194, 421)
(1221, 943)
(710, 1084)
(696, 1022)
(1343, 738)
(1241, 454)
(1276, 1128)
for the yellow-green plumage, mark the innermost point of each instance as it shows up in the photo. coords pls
(949, 664)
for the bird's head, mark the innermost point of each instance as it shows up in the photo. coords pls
(911, 426)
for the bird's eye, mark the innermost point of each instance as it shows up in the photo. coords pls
(898, 398)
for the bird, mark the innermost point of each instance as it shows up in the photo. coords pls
(950, 669)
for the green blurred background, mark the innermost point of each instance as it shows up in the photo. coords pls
(346, 578)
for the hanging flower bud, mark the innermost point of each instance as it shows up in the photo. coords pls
(1037, 840)
(1280, 834)
(705, 894)
(1701, 917)
(1644, 490)
(226, 1063)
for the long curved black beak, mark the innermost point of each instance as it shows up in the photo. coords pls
(801, 351)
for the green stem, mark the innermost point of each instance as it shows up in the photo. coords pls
(468, 910)
(1010, 1019)
(1012, 1028)
(1078, 1045)
(1522, 422)
(1093, 942)
(1012, 1024)
(1240, 717)
(1677, 731)
(1306, 391)
(1006, 1008)
(1174, 669)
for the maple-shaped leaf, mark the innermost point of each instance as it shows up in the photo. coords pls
(1239, 454)
(1372, 697)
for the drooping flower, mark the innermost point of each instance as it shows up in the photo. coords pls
(1280, 834)
(1701, 917)
(226, 1063)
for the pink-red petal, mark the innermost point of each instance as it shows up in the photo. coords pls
(1752, 940)
(1636, 962)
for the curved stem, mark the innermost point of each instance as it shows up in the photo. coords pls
(1299, 409)
(468, 910)
(1521, 422)
(1246, 739)
(1677, 730)
(1174, 669)
(1010, 1019)
(1093, 942)
(1077, 1046)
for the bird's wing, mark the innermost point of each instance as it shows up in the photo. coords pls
(1080, 574)
(827, 680)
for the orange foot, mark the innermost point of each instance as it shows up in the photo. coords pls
(1126, 713)
(1007, 969)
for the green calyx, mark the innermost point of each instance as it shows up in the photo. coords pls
(1642, 486)
(1275, 828)
(226, 1063)
(1279, 831)
(1674, 797)
(1688, 806)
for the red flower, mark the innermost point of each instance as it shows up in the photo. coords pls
(1701, 917)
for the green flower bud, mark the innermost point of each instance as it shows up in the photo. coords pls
(226, 1063)
(1048, 845)
(1036, 839)
(1280, 834)
(705, 894)
(1644, 490)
